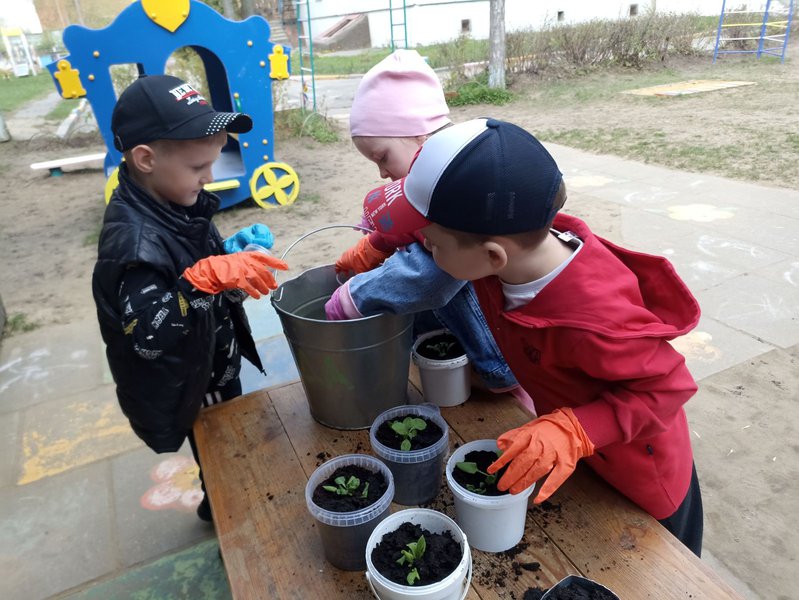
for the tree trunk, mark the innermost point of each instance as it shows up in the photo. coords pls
(228, 9)
(496, 57)
(247, 8)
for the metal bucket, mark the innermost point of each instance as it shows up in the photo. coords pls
(351, 370)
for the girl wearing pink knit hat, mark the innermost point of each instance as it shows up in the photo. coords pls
(397, 106)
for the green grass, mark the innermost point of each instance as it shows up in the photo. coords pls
(18, 91)
(652, 146)
(438, 55)
(298, 123)
(475, 92)
(61, 110)
(18, 323)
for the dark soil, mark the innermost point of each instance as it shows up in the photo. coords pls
(440, 558)
(570, 592)
(428, 348)
(336, 503)
(423, 439)
(483, 458)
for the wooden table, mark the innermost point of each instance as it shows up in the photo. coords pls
(258, 451)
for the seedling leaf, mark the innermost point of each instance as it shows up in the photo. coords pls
(467, 467)
(412, 577)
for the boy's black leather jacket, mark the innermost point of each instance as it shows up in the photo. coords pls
(162, 396)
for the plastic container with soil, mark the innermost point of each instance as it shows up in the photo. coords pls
(345, 520)
(574, 587)
(443, 368)
(444, 569)
(494, 523)
(417, 471)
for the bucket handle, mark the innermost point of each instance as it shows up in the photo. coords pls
(313, 231)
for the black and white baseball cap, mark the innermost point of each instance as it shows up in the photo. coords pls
(483, 176)
(163, 107)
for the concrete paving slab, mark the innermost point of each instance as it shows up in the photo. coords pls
(9, 448)
(757, 306)
(71, 431)
(278, 362)
(155, 501)
(193, 573)
(780, 234)
(56, 533)
(263, 318)
(704, 259)
(748, 465)
(716, 190)
(785, 273)
(42, 364)
(713, 347)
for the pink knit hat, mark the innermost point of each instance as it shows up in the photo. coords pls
(400, 96)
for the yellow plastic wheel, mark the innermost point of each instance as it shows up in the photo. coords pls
(111, 184)
(281, 183)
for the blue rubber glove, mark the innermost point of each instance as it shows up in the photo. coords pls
(254, 234)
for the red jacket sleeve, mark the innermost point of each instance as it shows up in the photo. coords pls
(388, 243)
(650, 383)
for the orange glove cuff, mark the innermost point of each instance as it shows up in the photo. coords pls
(361, 257)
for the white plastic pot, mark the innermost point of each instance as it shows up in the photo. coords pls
(417, 473)
(493, 523)
(345, 534)
(453, 587)
(444, 382)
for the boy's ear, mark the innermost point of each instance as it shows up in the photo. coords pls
(497, 255)
(142, 157)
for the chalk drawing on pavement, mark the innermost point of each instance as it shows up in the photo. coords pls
(177, 486)
(701, 213)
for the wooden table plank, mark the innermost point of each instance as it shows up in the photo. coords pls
(258, 451)
(256, 486)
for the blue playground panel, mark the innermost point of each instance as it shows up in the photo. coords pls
(240, 63)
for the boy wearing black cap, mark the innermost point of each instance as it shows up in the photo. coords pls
(173, 339)
(583, 323)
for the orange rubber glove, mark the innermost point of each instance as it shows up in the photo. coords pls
(361, 257)
(551, 444)
(248, 271)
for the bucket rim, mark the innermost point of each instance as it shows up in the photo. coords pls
(432, 363)
(355, 517)
(489, 502)
(275, 298)
(391, 522)
(429, 411)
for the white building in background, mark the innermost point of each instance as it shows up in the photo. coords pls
(433, 21)
(18, 18)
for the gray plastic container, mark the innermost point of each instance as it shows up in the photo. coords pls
(417, 473)
(351, 370)
(345, 534)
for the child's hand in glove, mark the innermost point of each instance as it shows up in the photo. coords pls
(254, 234)
(248, 271)
(361, 257)
(551, 444)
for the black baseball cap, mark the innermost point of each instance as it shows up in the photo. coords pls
(483, 176)
(163, 107)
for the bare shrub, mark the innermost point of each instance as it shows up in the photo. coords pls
(560, 49)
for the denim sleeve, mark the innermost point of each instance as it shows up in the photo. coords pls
(407, 282)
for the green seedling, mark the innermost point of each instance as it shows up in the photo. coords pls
(408, 428)
(414, 552)
(471, 468)
(344, 486)
(441, 348)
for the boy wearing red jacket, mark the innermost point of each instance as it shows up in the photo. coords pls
(584, 324)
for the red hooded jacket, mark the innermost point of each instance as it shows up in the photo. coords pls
(596, 339)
